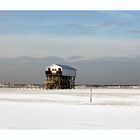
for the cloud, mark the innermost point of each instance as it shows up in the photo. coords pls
(110, 25)
(114, 24)
(84, 13)
(36, 45)
(74, 58)
(68, 29)
(134, 31)
(119, 14)
(26, 25)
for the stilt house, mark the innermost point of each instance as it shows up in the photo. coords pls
(60, 77)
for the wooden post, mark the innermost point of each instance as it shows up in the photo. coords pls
(91, 95)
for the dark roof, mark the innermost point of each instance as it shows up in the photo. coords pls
(66, 67)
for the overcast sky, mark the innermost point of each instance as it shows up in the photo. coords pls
(87, 40)
(88, 34)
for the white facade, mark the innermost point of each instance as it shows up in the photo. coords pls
(66, 70)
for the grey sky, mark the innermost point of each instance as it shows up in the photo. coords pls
(90, 34)
(87, 47)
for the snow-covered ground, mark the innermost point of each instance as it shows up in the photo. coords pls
(69, 109)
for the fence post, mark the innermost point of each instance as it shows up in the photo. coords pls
(91, 95)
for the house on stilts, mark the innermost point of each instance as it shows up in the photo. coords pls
(60, 77)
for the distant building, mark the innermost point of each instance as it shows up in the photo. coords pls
(60, 77)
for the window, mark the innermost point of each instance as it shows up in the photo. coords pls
(53, 69)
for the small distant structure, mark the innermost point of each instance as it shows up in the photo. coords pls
(60, 77)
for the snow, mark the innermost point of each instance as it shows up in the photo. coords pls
(69, 109)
